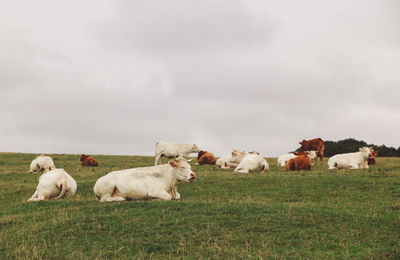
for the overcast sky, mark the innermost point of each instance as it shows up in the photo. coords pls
(115, 77)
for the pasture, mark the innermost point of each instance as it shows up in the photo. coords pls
(276, 214)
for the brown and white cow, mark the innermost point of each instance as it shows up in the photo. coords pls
(301, 162)
(88, 160)
(204, 157)
(316, 144)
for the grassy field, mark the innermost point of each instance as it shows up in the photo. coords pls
(277, 214)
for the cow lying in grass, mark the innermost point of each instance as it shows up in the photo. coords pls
(41, 163)
(204, 157)
(225, 162)
(283, 159)
(301, 162)
(54, 184)
(357, 160)
(155, 182)
(88, 160)
(249, 162)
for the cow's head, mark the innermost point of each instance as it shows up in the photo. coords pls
(237, 156)
(311, 154)
(366, 151)
(200, 154)
(83, 157)
(195, 149)
(183, 170)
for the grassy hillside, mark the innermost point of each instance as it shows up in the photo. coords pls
(277, 214)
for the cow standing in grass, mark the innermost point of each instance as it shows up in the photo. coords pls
(155, 182)
(172, 150)
(316, 144)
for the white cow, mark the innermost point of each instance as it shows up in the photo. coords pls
(238, 156)
(358, 160)
(227, 161)
(283, 159)
(224, 162)
(42, 162)
(155, 182)
(171, 150)
(54, 184)
(252, 163)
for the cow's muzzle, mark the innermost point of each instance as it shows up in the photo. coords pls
(192, 177)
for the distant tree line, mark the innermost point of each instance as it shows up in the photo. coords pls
(351, 145)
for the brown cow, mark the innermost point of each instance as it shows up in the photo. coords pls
(300, 162)
(371, 159)
(88, 160)
(316, 144)
(204, 157)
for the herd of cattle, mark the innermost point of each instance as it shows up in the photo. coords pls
(161, 180)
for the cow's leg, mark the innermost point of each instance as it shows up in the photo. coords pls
(364, 165)
(354, 166)
(34, 196)
(158, 159)
(177, 195)
(321, 157)
(160, 194)
(108, 198)
(238, 169)
(37, 197)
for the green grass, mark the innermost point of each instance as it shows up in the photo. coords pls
(277, 214)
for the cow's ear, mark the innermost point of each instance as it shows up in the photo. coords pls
(233, 153)
(173, 164)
